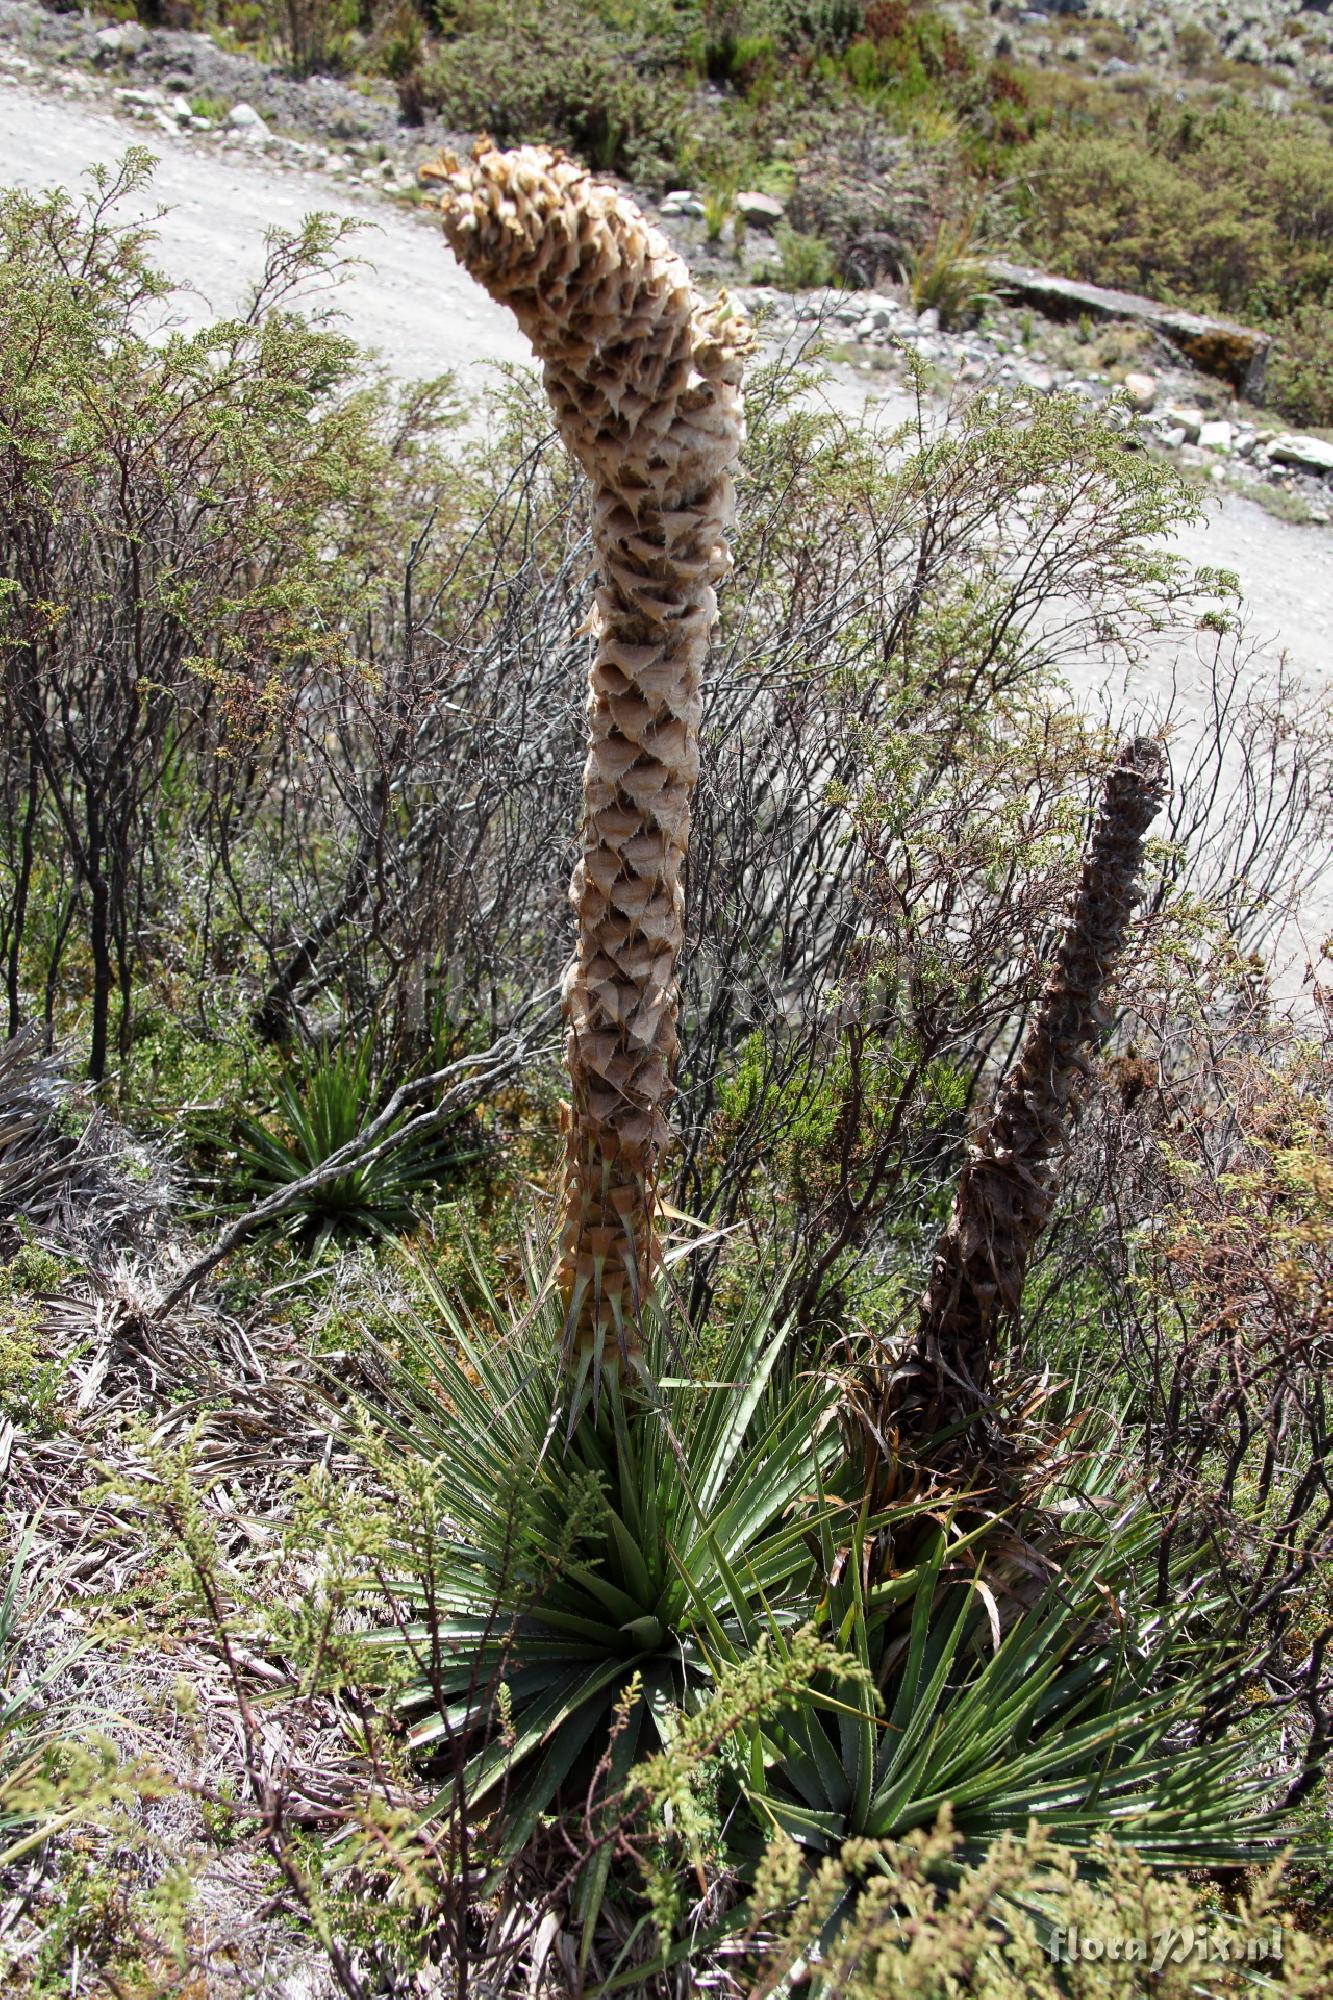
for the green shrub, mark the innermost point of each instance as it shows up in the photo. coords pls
(899, 1920)
(805, 262)
(554, 75)
(1231, 211)
(1300, 365)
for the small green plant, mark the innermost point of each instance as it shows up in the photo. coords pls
(719, 207)
(806, 262)
(324, 1101)
(206, 104)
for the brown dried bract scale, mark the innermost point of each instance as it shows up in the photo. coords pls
(644, 379)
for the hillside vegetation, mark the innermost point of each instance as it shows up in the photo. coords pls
(900, 133)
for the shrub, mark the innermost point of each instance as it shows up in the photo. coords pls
(871, 197)
(804, 261)
(1012, 1926)
(1300, 366)
(176, 556)
(1230, 210)
(553, 74)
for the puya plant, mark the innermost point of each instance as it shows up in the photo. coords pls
(941, 1387)
(644, 379)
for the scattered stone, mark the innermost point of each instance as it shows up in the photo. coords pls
(1215, 436)
(1142, 392)
(1173, 438)
(682, 201)
(1307, 454)
(763, 211)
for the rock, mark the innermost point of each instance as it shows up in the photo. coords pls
(1188, 420)
(763, 211)
(1142, 392)
(1215, 436)
(1239, 354)
(929, 320)
(1306, 454)
(140, 100)
(244, 118)
(1172, 438)
(682, 201)
(124, 42)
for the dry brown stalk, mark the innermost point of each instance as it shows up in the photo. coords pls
(644, 379)
(1008, 1185)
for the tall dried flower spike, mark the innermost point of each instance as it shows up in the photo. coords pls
(1007, 1188)
(644, 379)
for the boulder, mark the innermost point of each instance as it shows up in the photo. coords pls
(1238, 354)
(1185, 419)
(121, 43)
(245, 119)
(1142, 392)
(1305, 454)
(762, 211)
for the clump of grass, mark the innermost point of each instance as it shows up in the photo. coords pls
(948, 273)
